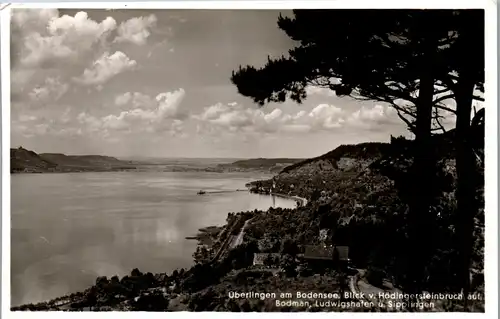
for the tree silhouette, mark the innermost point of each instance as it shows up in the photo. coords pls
(414, 60)
(466, 62)
(390, 57)
(376, 56)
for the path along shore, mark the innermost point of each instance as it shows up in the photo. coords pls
(300, 200)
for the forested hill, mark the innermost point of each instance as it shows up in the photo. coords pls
(359, 156)
(335, 158)
(274, 165)
(26, 161)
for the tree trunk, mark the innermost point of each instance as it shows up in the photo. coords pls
(422, 174)
(466, 181)
(468, 68)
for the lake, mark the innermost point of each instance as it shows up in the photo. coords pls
(67, 229)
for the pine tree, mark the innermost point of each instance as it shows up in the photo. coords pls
(406, 58)
(466, 77)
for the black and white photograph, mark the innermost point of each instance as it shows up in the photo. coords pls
(248, 160)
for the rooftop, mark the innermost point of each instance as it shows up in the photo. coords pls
(326, 252)
(258, 258)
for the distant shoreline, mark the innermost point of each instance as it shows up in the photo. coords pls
(24, 161)
(141, 170)
(61, 172)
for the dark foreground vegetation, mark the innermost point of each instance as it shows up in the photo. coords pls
(418, 62)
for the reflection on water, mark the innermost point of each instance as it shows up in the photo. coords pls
(67, 229)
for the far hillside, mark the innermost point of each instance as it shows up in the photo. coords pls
(273, 165)
(23, 160)
(26, 161)
(81, 160)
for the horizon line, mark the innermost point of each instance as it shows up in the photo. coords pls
(159, 157)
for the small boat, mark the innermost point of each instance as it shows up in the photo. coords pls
(201, 192)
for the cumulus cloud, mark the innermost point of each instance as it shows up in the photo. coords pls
(123, 98)
(376, 115)
(106, 67)
(33, 18)
(165, 116)
(236, 117)
(135, 99)
(316, 90)
(168, 103)
(51, 89)
(44, 39)
(47, 37)
(324, 117)
(91, 123)
(136, 30)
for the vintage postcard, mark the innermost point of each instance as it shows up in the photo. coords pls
(291, 157)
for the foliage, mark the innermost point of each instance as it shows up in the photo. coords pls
(411, 59)
(154, 301)
(289, 265)
(375, 276)
(365, 209)
(382, 57)
(289, 247)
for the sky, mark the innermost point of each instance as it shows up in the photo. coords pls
(156, 83)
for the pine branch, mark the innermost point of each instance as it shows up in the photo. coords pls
(442, 98)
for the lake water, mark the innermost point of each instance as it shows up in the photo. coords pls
(67, 229)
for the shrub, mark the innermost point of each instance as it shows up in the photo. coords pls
(154, 301)
(375, 276)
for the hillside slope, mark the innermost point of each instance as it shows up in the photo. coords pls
(341, 157)
(273, 165)
(26, 161)
(82, 160)
(358, 157)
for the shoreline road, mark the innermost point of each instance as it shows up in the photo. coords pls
(227, 241)
(301, 200)
(238, 240)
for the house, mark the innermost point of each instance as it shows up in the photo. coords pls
(318, 252)
(259, 258)
(341, 254)
(327, 255)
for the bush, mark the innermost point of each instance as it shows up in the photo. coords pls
(154, 301)
(375, 276)
(289, 246)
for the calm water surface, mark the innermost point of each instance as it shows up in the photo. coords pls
(67, 229)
